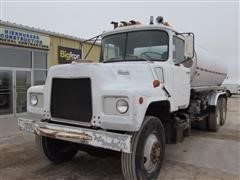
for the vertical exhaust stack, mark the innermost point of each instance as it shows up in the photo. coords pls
(151, 20)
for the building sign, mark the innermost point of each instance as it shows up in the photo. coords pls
(67, 55)
(23, 38)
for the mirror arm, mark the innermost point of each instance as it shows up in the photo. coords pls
(188, 59)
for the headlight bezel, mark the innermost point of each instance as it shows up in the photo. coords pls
(118, 106)
(32, 102)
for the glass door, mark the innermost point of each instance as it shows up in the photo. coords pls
(23, 82)
(6, 92)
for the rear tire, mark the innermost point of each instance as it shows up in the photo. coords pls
(214, 118)
(224, 110)
(148, 150)
(54, 150)
(229, 94)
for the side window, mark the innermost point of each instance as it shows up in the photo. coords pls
(178, 53)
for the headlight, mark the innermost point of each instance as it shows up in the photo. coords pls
(33, 100)
(122, 106)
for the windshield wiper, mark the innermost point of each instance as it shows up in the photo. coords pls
(146, 59)
(126, 60)
(112, 60)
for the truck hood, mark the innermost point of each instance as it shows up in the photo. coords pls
(124, 74)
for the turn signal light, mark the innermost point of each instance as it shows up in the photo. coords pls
(156, 83)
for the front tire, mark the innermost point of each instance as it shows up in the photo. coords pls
(148, 150)
(54, 150)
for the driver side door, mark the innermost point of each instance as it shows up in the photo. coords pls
(181, 75)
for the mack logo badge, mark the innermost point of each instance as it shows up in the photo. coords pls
(121, 72)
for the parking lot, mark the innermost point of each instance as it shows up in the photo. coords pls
(203, 155)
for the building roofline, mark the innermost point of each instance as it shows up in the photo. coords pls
(43, 31)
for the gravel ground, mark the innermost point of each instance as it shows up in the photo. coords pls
(19, 159)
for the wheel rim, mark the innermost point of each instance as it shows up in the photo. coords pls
(152, 153)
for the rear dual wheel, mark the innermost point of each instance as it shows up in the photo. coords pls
(229, 94)
(224, 111)
(217, 115)
(148, 149)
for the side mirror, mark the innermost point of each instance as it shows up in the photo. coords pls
(189, 46)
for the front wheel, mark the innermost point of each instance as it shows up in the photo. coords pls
(54, 150)
(148, 150)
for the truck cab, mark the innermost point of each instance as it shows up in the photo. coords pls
(134, 101)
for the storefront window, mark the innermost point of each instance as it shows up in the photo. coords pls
(15, 58)
(24, 58)
(40, 60)
(39, 76)
(39, 67)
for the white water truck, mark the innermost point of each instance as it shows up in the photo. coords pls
(151, 86)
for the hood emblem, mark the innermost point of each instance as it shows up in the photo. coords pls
(125, 73)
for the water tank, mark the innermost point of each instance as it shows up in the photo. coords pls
(206, 69)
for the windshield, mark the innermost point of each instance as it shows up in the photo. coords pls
(138, 45)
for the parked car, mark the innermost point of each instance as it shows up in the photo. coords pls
(232, 87)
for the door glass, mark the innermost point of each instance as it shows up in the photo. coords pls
(23, 82)
(6, 92)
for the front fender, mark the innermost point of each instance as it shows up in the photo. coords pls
(141, 109)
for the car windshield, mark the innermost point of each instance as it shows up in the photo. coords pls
(134, 46)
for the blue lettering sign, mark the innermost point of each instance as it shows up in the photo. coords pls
(29, 39)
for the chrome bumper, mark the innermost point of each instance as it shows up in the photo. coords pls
(98, 138)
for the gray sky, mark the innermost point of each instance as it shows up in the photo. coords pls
(215, 24)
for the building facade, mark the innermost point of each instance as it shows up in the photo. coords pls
(25, 56)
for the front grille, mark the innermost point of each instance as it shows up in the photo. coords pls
(71, 99)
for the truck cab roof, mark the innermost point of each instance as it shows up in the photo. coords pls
(138, 27)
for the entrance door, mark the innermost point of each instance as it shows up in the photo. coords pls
(22, 83)
(6, 92)
(14, 84)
